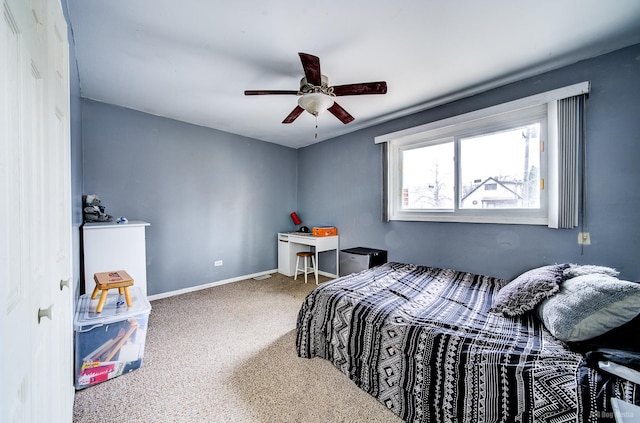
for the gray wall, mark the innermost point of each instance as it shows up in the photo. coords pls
(344, 189)
(208, 195)
(211, 195)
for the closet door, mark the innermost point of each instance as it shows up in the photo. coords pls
(57, 167)
(35, 313)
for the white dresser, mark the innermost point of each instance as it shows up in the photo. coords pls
(111, 246)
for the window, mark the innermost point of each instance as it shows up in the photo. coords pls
(507, 163)
(427, 176)
(484, 170)
(488, 166)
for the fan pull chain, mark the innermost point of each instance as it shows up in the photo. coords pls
(316, 136)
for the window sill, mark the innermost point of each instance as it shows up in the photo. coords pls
(436, 217)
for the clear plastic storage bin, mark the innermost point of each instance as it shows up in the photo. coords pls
(110, 343)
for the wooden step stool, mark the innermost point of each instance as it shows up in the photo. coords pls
(111, 280)
(306, 269)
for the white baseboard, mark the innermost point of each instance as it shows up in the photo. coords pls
(207, 285)
(222, 282)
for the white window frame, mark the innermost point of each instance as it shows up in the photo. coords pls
(521, 109)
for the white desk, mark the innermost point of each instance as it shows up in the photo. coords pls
(290, 243)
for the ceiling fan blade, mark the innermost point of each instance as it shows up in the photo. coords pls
(340, 113)
(293, 115)
(266, 92)
(311, 66)
(379, 87)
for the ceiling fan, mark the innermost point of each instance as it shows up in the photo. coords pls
(317, 96)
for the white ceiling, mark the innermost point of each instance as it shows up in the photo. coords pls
(191, 60)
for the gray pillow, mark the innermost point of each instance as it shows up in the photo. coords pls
(526, 291)
(575, 270)
(589, 306)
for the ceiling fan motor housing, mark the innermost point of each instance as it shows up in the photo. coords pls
(324, 88)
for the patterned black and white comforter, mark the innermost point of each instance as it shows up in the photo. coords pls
(422, 342)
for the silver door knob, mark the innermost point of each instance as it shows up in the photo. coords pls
(44, 313)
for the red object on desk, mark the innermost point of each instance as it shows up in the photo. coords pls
(295, 218)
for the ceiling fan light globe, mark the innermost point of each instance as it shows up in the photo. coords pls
(315, 103)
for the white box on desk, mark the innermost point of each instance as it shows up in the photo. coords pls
(109, 343)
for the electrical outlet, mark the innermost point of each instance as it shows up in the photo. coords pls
(584, 238)
(217, 263)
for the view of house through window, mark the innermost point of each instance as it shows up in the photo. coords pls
(501, 170)
(497, 170)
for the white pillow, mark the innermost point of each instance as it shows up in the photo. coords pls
(575, 270)
(588, 306)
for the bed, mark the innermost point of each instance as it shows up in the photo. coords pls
(429, 344)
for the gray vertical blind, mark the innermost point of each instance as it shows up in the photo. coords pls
(385, 181)
(569, 140)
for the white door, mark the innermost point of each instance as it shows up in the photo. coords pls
(35, 222)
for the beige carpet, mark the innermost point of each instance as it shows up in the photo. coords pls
(227, 354)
